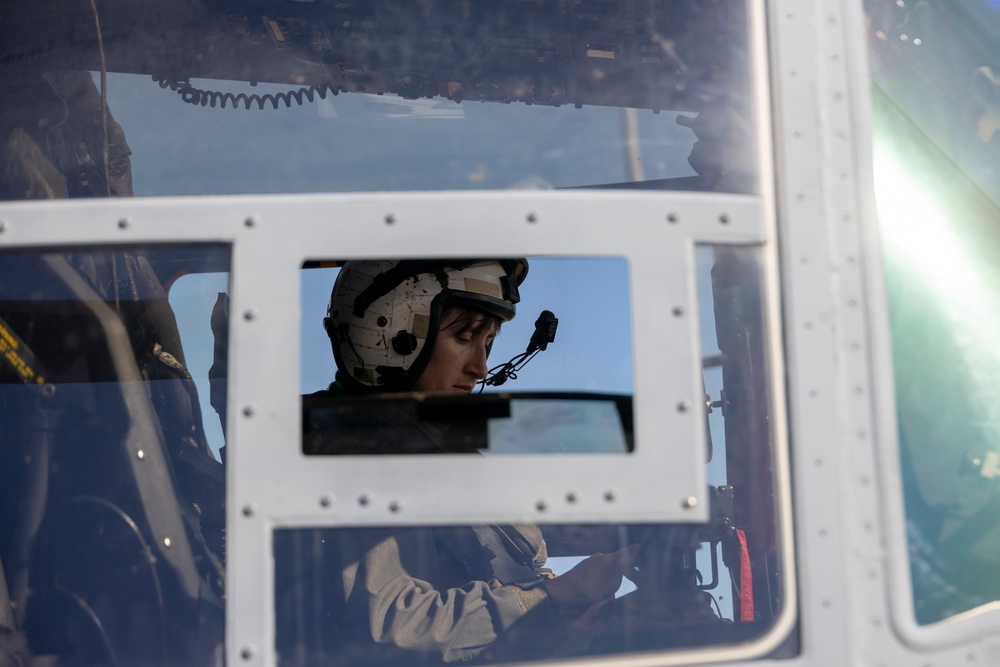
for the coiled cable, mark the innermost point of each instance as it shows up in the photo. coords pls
(212, 98)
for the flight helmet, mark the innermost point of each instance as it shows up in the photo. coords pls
(384, 316)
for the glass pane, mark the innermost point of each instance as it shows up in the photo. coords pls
(112, 491)
(555, 404)
(375, 96)
(936, 156)
(419, 595)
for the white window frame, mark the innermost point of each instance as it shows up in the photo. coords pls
(271, 484)
(659, 481)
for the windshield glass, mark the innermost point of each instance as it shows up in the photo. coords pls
(936, 113)
(588, 407)
(375, 96)
(112, 479)
(429, 593)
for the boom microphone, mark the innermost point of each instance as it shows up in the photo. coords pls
(545, 333)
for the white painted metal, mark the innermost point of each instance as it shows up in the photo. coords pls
(850, 522)
(264, 411)
(650, 484)
(850, 601)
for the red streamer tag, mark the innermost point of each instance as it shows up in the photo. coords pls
(746, 580)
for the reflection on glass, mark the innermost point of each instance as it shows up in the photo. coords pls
(495, 423)
(377, 96)
(112, 516)
(433, 594)
(558, 426)
(941, 282)
(935, 119)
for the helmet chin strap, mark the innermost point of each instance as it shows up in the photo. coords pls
(545, 333)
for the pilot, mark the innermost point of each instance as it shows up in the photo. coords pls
(448, 594)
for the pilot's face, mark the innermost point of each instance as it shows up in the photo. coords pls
(458, 361)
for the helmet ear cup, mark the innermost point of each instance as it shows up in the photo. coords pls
(404, 342)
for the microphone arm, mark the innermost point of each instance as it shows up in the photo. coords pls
(545, 333)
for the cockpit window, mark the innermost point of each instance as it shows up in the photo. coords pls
(566, 400)
(426, 593)
(935, 120)
(378, 96)
(112, 497)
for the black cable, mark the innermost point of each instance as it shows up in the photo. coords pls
(104, 95)
(717, 607)
(506, 371)
(212, 98)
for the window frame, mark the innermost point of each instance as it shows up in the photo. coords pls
(264, 405)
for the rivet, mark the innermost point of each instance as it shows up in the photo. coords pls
(248, 510)
(678, 311)
(571, 497)
(827, 604)
(394, 506)
(672, 218)
(250, 221)
(167, 542)
(390, 218)
(683, 406)
(822, 532)
(246, 652)
(140, 454)
(609, 496)
(363, 499)
(724, 218)
(532, 217)
(123, 223)
(249, 314)
(248, 411)
(541, 506)
(3, 226)
(818, 463)
(689, 503)
(324, 501)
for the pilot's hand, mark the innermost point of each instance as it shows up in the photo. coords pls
(592, 622)
(593, 580)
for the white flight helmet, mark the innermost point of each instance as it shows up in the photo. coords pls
(384, 315)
